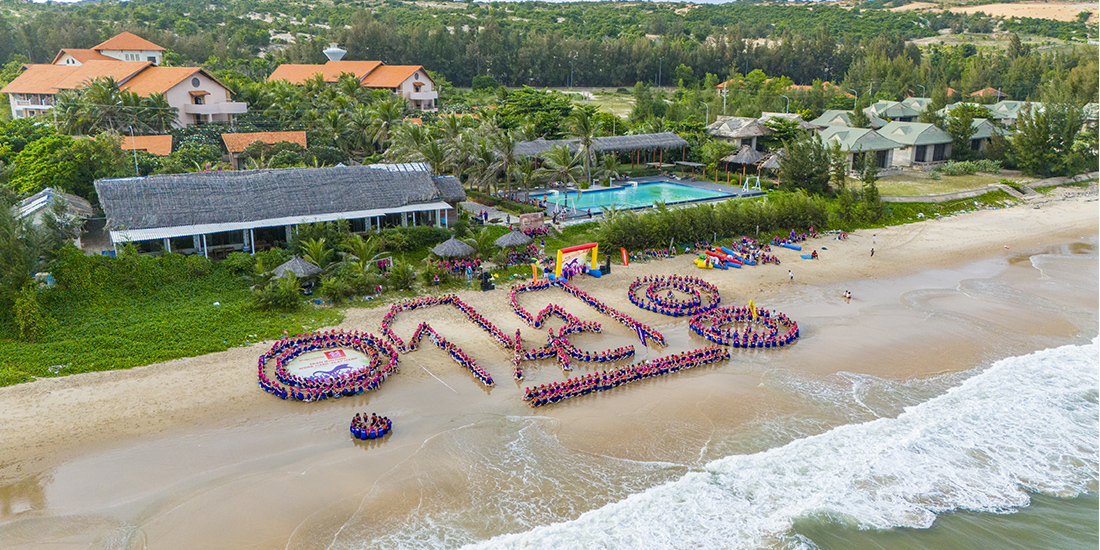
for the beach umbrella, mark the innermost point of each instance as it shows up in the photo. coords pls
(515, 238)
(298, 267)
(452, 248)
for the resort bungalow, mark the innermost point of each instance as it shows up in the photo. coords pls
(858, 142)
(216, 213)
(1006, 112)
(36, 208)
(918, 104)
(134, 63)
(738, 130)
(836, 117)
(891, 110)
(789, 117)
(918, 143)
(235, 144)
(983, 132)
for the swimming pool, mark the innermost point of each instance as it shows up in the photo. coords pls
(635, 195)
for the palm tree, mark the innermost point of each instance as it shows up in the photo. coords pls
(408, 139)
(504, 145)
(526, 172)
(482, 241)
(316, 251)
(335, 125)
(560, 165)
(607, 167)
(387, 114)
(583, 126)
(348, 86)
(453, 126)
(360, 127)
(435, 154)
(72, 116)
(483, 167)
(158, 114)
(362, 249)
(460, 151)
(104, 97)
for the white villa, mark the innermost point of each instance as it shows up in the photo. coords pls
(134, 63)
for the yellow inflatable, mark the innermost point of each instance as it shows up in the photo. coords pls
(702, 264)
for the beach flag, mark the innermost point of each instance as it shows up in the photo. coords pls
(627, 262)
(641, 333)
(752, 308)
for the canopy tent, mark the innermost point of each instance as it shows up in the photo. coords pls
(297, 266)
(453, 248)
(515, 238)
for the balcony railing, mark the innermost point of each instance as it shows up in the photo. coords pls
(423, 96)
(228, 108)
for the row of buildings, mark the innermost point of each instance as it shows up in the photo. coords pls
(137, 65)
(894, 136)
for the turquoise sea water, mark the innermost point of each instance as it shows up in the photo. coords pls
(632, 196)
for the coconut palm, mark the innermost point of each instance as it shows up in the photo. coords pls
(407, 141)
(158, 114)
(387, 115)
(104, 96)
(316, 251)
(435, 154)
(607, 167)
(453, 126)
(504, 146)
(560, 165)
(526, 173)
(335, 125)
(361, 249)
(460, 152)
(482, 170)
(583, 126)
(360, 128)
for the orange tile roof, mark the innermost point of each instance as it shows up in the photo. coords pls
(331, 71)
(38, 79)
(390, 76)
(157, 145)
(80, 55)
(986, 92)
(415, 120)
(121, 71)
(127, 41)
(158, 79)
(235, 143)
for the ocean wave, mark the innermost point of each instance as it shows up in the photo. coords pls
(1026, 424)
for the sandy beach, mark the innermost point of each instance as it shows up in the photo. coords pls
(191, 453)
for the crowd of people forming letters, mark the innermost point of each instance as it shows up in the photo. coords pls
(660, 298)
(701, 304)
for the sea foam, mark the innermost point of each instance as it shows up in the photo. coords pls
(1026, 424)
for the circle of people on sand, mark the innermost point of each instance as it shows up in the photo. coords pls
(382, 362)
(660, 295)
(774, 328)
(370, 427)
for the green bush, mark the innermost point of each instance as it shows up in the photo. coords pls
(335, 289)
(401, 277)
(281, 294)
(967, 167)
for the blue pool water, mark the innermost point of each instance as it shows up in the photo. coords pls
(632, 196)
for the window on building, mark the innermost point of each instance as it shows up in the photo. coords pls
(938, 152)
(880, 158)
(922, 150)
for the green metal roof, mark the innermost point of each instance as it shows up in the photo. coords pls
(890, 109)
(914, 133)
(836, 117)
(984, 129)
(854, 140)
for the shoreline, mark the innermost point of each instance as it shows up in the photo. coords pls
(51, 421)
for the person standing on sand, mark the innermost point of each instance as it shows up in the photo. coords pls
(873, 235)
(872, 252)
(790, 274)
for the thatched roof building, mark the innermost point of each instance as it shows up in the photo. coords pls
(452, 248)
(514, 238)
(640, 142)
(297, 266)
(194, 205)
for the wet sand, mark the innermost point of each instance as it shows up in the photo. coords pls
(190, 453)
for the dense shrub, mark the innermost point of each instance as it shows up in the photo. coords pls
(968, 167)
(656, 228)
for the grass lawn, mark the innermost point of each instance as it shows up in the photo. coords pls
(128, 329)
(920, 184)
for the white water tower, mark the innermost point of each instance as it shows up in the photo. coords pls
(334, 53)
